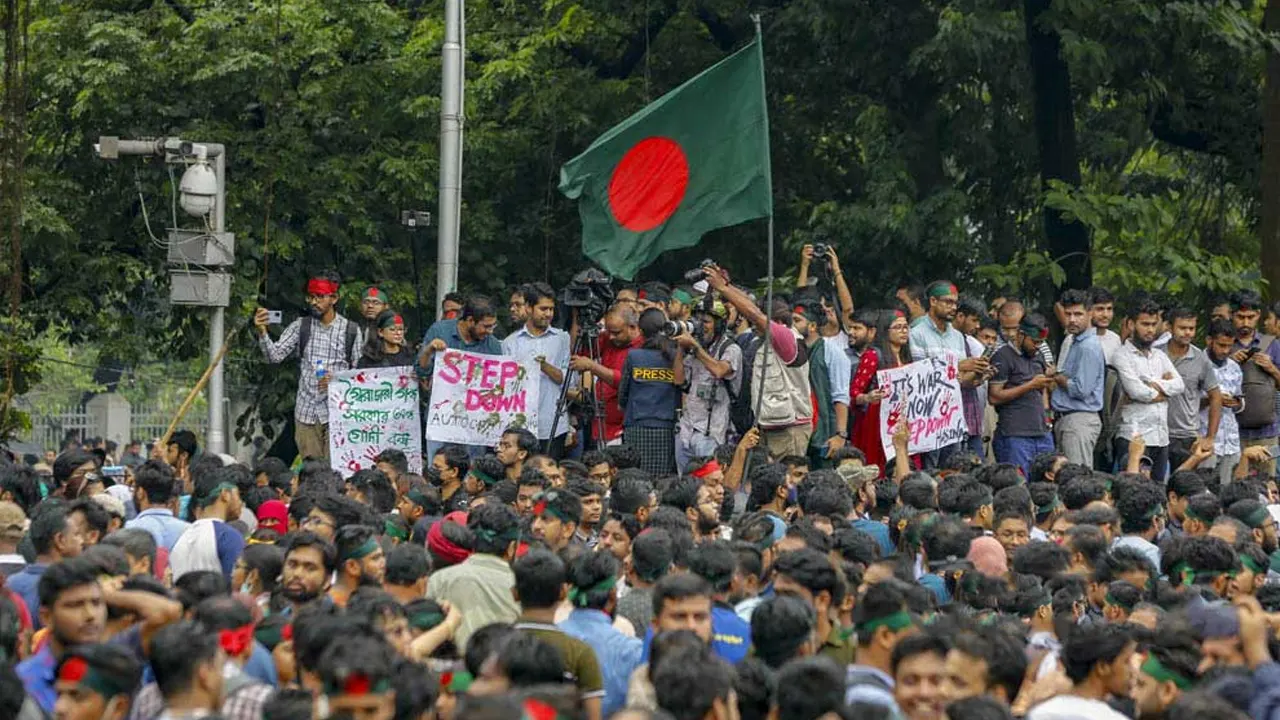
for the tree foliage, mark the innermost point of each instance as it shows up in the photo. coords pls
(902, 133)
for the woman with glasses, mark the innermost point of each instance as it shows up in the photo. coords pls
(892, 349)
(386, 346)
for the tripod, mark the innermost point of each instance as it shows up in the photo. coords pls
(585, 344)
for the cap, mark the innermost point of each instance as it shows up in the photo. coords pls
(110, 503)
(13, 522)
(273, 515)
(855, 474)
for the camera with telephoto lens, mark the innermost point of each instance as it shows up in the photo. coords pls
(673, 328)
(700, 272)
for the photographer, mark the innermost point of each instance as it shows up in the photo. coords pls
(827, 254)
(621, 335)
(649, 394)
(714, 378)
(786, 415)
(549, 346)
(325, 343)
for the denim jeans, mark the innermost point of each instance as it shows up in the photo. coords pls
(1020, 451)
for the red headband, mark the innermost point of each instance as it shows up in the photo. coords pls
(320, 286)
(236, 641)
(711, 467)
(898, 314)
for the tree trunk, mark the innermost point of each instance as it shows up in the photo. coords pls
(1269, 230)
(1068, 241)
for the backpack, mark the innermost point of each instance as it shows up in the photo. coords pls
(1259, 391)
(741, 415)
(352, 340)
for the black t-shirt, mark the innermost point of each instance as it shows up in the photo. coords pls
(1023, 417)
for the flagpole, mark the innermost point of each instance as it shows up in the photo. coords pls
(768, 179)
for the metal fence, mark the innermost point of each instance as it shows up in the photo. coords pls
(150, 422)
(50, 430)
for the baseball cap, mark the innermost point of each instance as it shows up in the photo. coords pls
(13, 522)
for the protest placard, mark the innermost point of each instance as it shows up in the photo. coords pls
(372, 410)
(927, 393)
(474, 397)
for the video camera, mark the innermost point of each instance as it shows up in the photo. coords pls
(591, 293)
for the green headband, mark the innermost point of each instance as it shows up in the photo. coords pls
(1252, 565)
(942, 290)
(578, 596)
(1112, 600)
(900, 620)
(75, 669)
(682, 297)
(1153, 667)
(212, 497)
(425, 620)
(364, 550)
(456, 683)
(492, 536)
(1191, 515)
(417, 497)
(1258, 518)
(484, 477)
(1046, 509)
(391, 529)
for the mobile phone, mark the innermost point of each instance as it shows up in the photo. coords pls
(989, 352)
(113, 471)
(275, 317)
(1250, 352)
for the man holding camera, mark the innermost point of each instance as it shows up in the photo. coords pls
(713, 373)
(621, 335)
(326, 343)
(786, 413)
(548, 346)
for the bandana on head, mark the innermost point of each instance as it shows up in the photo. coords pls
(682, 297)
(321, 286)
(373, 293)
(367, 548)
(393, 530)
(900, 620)
(357, 683)
(578, 596)
(456, 683)
(214, 494)
(483, 477)
(77, 670)
(541, 506)
(943, 290)
(1112, 600)
(712, 466)
(443, 547)
(1032, 330)
(1158, 672)
(390, 320)
(236, 641)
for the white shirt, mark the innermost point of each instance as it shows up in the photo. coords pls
(1139, 415)
(1230, 380)
(1071, 707)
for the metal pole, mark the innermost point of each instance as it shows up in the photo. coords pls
(216, 441)
(450, 190)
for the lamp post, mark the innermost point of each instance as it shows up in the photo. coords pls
(450, 190)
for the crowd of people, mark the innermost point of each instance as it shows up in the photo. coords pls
(711, 530)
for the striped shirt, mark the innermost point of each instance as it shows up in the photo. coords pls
(311, 406)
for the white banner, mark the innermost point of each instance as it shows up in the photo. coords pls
(474, 397)
(372, 410)
(927, 393)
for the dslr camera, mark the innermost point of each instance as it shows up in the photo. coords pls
(672, 328)
(820, 251)
(700, 272)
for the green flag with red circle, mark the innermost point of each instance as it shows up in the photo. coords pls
(694, 160)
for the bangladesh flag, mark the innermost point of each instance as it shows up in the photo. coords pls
(694, 160)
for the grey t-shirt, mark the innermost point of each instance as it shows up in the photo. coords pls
(1184, 409)
(707, 397)
(1024, 416)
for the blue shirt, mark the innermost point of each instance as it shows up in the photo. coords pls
(730, 634)
(162, 525)
(553, 344)
(617, 654)
(879, 531)
(1086, 370)
(26, 583)
(937, 585)
(447, 330)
